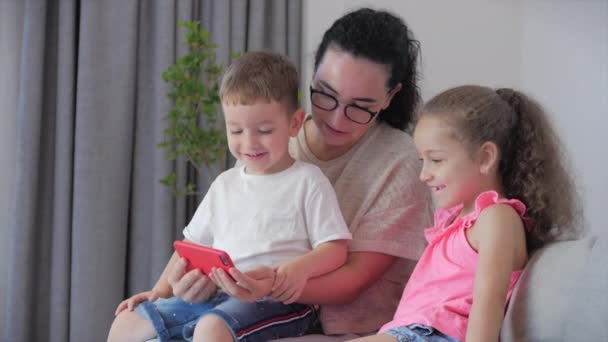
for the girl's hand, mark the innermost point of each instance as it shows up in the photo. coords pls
(192, 287)
(130, 303)
(247, 287)
(289, 283)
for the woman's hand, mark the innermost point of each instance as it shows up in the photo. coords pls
(130, 303)
(248, 286)
(192, 287)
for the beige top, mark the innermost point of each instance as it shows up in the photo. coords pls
(386, 208)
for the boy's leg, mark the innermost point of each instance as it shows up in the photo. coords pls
(212, 328)
(163, 318)
(262, 320)
(130, 326)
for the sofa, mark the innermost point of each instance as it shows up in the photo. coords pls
(562, 295)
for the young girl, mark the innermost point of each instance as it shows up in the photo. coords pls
(492, 162)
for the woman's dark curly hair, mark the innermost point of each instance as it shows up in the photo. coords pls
(532, 166)
(383, 38)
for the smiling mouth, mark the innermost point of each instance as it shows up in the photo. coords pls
(255, 155)
(333, 130)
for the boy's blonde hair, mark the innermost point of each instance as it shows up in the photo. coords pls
(260, 75)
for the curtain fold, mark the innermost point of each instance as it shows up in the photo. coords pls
(11, 27)
(91, 224)
(61, 242)
(103, 153)
(29, 256)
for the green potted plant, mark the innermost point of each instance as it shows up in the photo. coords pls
(194, 130)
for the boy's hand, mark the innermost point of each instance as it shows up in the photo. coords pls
(247, 287)
(192, 287)
(130, 303)
(289, 283)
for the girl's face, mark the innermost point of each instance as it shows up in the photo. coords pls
(353, 81)
(449, 169)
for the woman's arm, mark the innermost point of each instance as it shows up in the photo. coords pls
(499, 237)
(341, 286)
(344, 285)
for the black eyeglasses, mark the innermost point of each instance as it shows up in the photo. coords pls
(353, 112)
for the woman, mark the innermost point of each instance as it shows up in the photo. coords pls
(363, 95)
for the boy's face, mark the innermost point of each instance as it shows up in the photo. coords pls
(258, 135)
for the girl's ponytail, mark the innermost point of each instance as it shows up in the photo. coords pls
(533, 170)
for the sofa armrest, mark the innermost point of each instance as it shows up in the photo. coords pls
(562, 294)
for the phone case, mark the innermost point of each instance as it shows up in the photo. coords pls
(203, 258)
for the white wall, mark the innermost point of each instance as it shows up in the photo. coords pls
(555, 49)
(10, 33)
(565, 66)
(462, 41)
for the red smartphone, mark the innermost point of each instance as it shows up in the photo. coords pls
(203, 258)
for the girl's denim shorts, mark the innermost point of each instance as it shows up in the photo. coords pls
(419, 333)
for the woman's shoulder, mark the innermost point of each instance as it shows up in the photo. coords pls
(389, 141)
(391, 148)
(388, 160)
(390, 133)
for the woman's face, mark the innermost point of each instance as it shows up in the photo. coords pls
(352, 81)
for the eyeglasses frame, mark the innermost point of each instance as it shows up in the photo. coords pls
(372, 115)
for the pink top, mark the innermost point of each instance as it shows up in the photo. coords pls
(440, 291)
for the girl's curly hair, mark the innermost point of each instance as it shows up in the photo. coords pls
(532, 165)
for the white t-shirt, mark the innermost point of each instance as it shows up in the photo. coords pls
(386, 208)
(268, 219)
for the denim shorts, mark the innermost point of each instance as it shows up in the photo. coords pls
(419, 333)
(262, 320)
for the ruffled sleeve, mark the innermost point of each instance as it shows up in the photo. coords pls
(444, 218)
(489, 198)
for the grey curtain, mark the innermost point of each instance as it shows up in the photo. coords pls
(91, 224)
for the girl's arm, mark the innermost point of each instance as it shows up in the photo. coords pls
(499, 238)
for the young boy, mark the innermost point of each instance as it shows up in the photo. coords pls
(269, 210)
